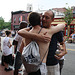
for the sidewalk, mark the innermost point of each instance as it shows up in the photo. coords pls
(2, 71)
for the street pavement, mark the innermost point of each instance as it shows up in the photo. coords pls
(69, 63)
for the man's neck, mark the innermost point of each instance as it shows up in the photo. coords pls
(36, 27)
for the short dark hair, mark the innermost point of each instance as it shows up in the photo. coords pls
(23, 24)
(8, 32)
(34, 18)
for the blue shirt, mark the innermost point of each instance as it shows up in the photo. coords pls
(51, 60)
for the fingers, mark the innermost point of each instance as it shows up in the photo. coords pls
(57, 57)
(45, 33)
(47, 39)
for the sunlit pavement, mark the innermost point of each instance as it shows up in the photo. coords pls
(3, 72)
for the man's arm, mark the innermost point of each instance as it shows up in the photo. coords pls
(40, 37)
(10, 43)
(24, 33)
(21, 47)
(62, 45)
(63, 51)
(63, 48)
(15, 45)
(55, 29)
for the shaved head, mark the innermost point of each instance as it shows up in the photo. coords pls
(50, 13)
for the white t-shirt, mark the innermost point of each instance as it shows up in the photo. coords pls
(18, 38)
(6, 49)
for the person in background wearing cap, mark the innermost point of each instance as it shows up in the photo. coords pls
(17, 42)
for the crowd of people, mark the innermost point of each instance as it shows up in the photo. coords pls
(46, 37)
(72, 38)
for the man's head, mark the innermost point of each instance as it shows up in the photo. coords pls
(47, 18)
(23, 24)
(8, 33)
(34, 18)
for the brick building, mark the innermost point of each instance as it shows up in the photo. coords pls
(59, 14)
(17, 17)
(60, 20)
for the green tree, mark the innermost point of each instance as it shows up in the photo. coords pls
(1, 23)
(68, 18)
(4, 25)
(7, 25)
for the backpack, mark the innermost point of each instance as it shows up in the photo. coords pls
(31, 57)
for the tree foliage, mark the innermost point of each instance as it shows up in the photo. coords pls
(68, 16)
(1, 23)
(4, 25)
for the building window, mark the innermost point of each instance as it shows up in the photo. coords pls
(23, 18)
(19, 19)
(14, 20)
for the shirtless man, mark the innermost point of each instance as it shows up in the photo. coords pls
(49, 30)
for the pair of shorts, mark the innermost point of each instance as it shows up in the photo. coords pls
(8, 59)
(43, 69)
(35, 73)
(53, 70)
(18, 61)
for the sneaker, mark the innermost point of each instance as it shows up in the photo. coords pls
(9, 69)
(20, 71)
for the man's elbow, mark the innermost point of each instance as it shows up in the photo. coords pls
(63, 25)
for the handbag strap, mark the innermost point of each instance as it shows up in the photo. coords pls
(40, 30)
(44, 56)
(46, 50)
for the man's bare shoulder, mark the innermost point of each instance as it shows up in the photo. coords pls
(49, 29)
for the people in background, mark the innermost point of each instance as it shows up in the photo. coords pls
(7, 51)
(17, 43)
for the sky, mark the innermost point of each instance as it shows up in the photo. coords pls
(7, 6)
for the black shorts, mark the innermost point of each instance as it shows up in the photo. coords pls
(61, 63)
(8, 59)
(35, 73)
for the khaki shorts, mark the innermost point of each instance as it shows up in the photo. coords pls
(53, 70)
